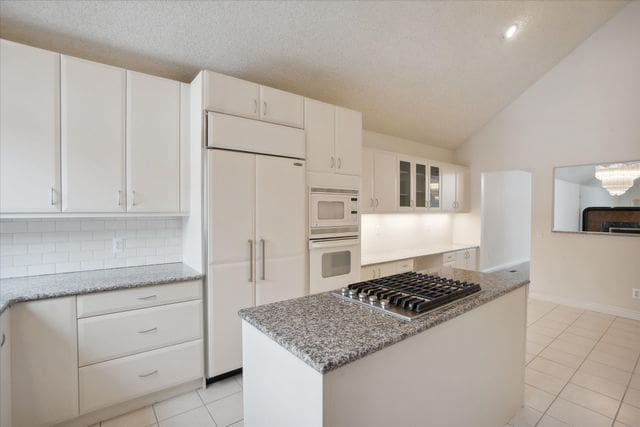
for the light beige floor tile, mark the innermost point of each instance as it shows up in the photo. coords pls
(592, 324)
(567, 359)
(220, 389)
(605, 371)
(534, 348)
(547, 421)
(600, 385)
(538, 338)
(619, 424)
(613, 338)
(550, 324)
(631, 326)
(571, 348)
(623, 335)
(618, 350)
(598, 314)
(624, 363)
(635, 381)
(198, 417)
(238, 424)
(629, 415)
(591, 400)
(525, 417)
(141, 418)
(578, 340)
(577, 415)
(537, 399)
(177, 405)
(543, 381)
(552, 333)
(227, 410)
(583, 332)
(552, 368)
(632, 397)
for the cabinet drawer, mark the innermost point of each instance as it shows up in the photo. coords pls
(115, 335)
(129, 299)
(108, 383)
(449, 257)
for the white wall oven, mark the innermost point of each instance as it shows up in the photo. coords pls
(334, 238)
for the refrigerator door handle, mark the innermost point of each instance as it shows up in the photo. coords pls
(250, 260)
(264, 274)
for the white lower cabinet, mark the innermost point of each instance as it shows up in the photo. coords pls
(5, 369)
(44, 362)
(116, 381)
(466, 259)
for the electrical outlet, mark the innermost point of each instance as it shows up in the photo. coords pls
(118, 245)
(635, 293)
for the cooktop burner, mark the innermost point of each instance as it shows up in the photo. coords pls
(407, 295)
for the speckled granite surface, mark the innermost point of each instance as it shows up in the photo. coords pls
(32, 288)
(327, 332)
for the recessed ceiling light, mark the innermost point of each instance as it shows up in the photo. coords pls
(511, 31)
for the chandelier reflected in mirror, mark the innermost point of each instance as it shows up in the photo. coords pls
(617, 178)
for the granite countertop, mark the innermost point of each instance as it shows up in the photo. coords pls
(327, 332)
(32, 288)
(396, 255)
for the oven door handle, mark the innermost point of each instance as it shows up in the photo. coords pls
(334, 243)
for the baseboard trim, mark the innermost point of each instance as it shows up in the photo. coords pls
(504, 266)
(586, 305)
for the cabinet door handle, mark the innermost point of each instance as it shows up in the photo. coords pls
(333, 162)
(119, 197)
(133, 198)
(250, 260)
(264, 264)
(155, 371)
(2, 340)
(255, 106)
(53, 196)
(147, 331)
(264, 104)
(147, 298)
(377, 202)
(339, 162)
(371, 204)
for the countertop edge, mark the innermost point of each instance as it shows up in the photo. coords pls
(418, 254)
(324, 368)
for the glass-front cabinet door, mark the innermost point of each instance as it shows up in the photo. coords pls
(434, 187)
(404, 184)
(421, 179)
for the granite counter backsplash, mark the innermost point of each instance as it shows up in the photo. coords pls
(327, 332)
(32, 288)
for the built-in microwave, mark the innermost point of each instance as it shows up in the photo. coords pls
(333, 212)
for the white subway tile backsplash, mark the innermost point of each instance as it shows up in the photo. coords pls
(43, 246)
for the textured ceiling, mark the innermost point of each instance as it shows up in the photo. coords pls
(433, 72)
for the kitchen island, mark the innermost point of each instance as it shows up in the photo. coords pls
(324, 361)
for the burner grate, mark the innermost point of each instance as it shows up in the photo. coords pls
(408, 295)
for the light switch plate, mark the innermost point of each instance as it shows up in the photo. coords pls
(635, 293)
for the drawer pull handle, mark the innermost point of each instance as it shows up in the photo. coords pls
(147, 331)
(149, 374)
(148, 297)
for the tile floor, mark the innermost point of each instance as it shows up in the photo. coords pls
(581, 369)
(219, 405)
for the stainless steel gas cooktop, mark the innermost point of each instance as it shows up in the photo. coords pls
(407, 295)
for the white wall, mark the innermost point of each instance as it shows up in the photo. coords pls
(566, 206)
(506, 219)
(405, 146)
(391, 232)
(46, 246)
(585, 110)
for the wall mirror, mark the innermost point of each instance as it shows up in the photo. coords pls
(598, 198)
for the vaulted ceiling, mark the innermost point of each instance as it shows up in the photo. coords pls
(434, 72)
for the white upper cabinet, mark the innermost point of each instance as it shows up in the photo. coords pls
(320, 131)
(348, 141)
(406, 184)
(277, 106)
(454, 188)
(229, 95)
(93, 136)
(334, 138)
(384, 181)
(29, 129)
(153, 144)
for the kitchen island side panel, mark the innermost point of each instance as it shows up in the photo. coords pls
(279, 389)
(468, 371)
